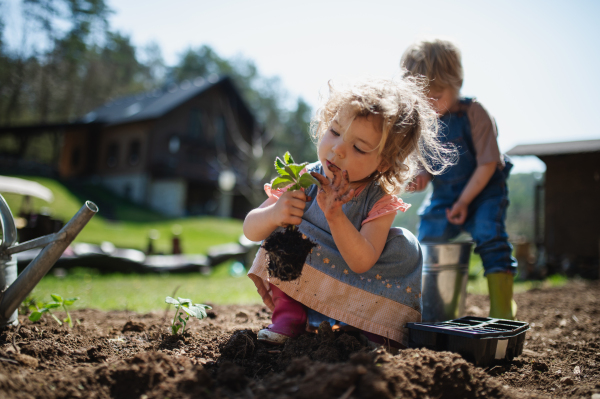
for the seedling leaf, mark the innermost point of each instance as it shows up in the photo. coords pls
(306, 180)
(56, 297)
(196, 311)
(52, 305)
(70, 301)
(280, 167)
(184, 301)
(35, 316)
(280, 182)
(290, 172)
(297, 168)
(288, 158)
(171, 300)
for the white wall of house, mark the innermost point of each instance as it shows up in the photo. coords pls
(132, 186)
(168, 196)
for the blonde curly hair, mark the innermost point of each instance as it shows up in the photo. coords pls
(409, 127)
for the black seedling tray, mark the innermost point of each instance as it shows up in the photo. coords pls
(480, 340)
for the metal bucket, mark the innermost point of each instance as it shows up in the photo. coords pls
(445, 276)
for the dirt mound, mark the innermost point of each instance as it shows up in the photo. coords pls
(125, 355)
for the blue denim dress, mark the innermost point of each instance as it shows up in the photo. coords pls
(486, 213)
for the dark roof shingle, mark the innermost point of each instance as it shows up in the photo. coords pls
(149, 105)
(568, 147)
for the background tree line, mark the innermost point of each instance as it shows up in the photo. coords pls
(71, 62)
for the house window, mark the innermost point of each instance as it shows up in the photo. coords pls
(221, 130)
(128, 192)
(196, 124)
(174, 144)
(134, 152)
(76, 157)
(112, 156)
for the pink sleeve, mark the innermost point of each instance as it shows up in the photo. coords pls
(274, 193)
(279, 192)
(388, 204)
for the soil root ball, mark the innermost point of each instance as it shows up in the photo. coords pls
(287, 252)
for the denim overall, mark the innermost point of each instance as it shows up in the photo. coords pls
(486, 213)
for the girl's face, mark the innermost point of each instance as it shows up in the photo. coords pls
(351, 145)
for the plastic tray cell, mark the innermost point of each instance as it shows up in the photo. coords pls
(480, 340)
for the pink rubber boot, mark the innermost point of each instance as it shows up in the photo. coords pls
(289, 319)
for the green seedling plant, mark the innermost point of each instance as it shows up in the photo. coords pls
(289, 174)
(288, 250)
(184, 307)
(47, 307)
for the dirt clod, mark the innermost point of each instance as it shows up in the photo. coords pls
(26, 360)
(567, 381)
(136, 326)
(539, 366)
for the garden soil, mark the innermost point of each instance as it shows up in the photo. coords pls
(128, 355)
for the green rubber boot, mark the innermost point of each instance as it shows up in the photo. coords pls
(502, 305)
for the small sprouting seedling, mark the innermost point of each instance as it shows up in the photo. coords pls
(197, 310)
(57, 303)
(27, 305)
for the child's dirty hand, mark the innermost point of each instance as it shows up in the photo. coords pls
(335, 193)
(289, 209)
(457, 214)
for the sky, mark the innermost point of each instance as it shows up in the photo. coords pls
(533, 64)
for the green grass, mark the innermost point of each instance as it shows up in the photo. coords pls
(134, 222)
(146, 292)
(143, 292)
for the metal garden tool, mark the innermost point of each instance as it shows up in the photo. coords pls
(14, 289)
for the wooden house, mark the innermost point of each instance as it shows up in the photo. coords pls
(571, 203)
(169, 148)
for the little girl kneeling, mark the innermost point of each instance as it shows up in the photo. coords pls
(363, 274)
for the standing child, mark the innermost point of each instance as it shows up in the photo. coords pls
(472, 195)
(362, 273)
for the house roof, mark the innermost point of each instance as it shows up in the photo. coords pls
(545, 149)
(143, 106)
(150, 105)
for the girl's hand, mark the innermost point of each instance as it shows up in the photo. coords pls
(457, 214)
(335, 193)
(420, 182)
(289, 208)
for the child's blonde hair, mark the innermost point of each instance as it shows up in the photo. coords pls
(437, 60)
(409, 139)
